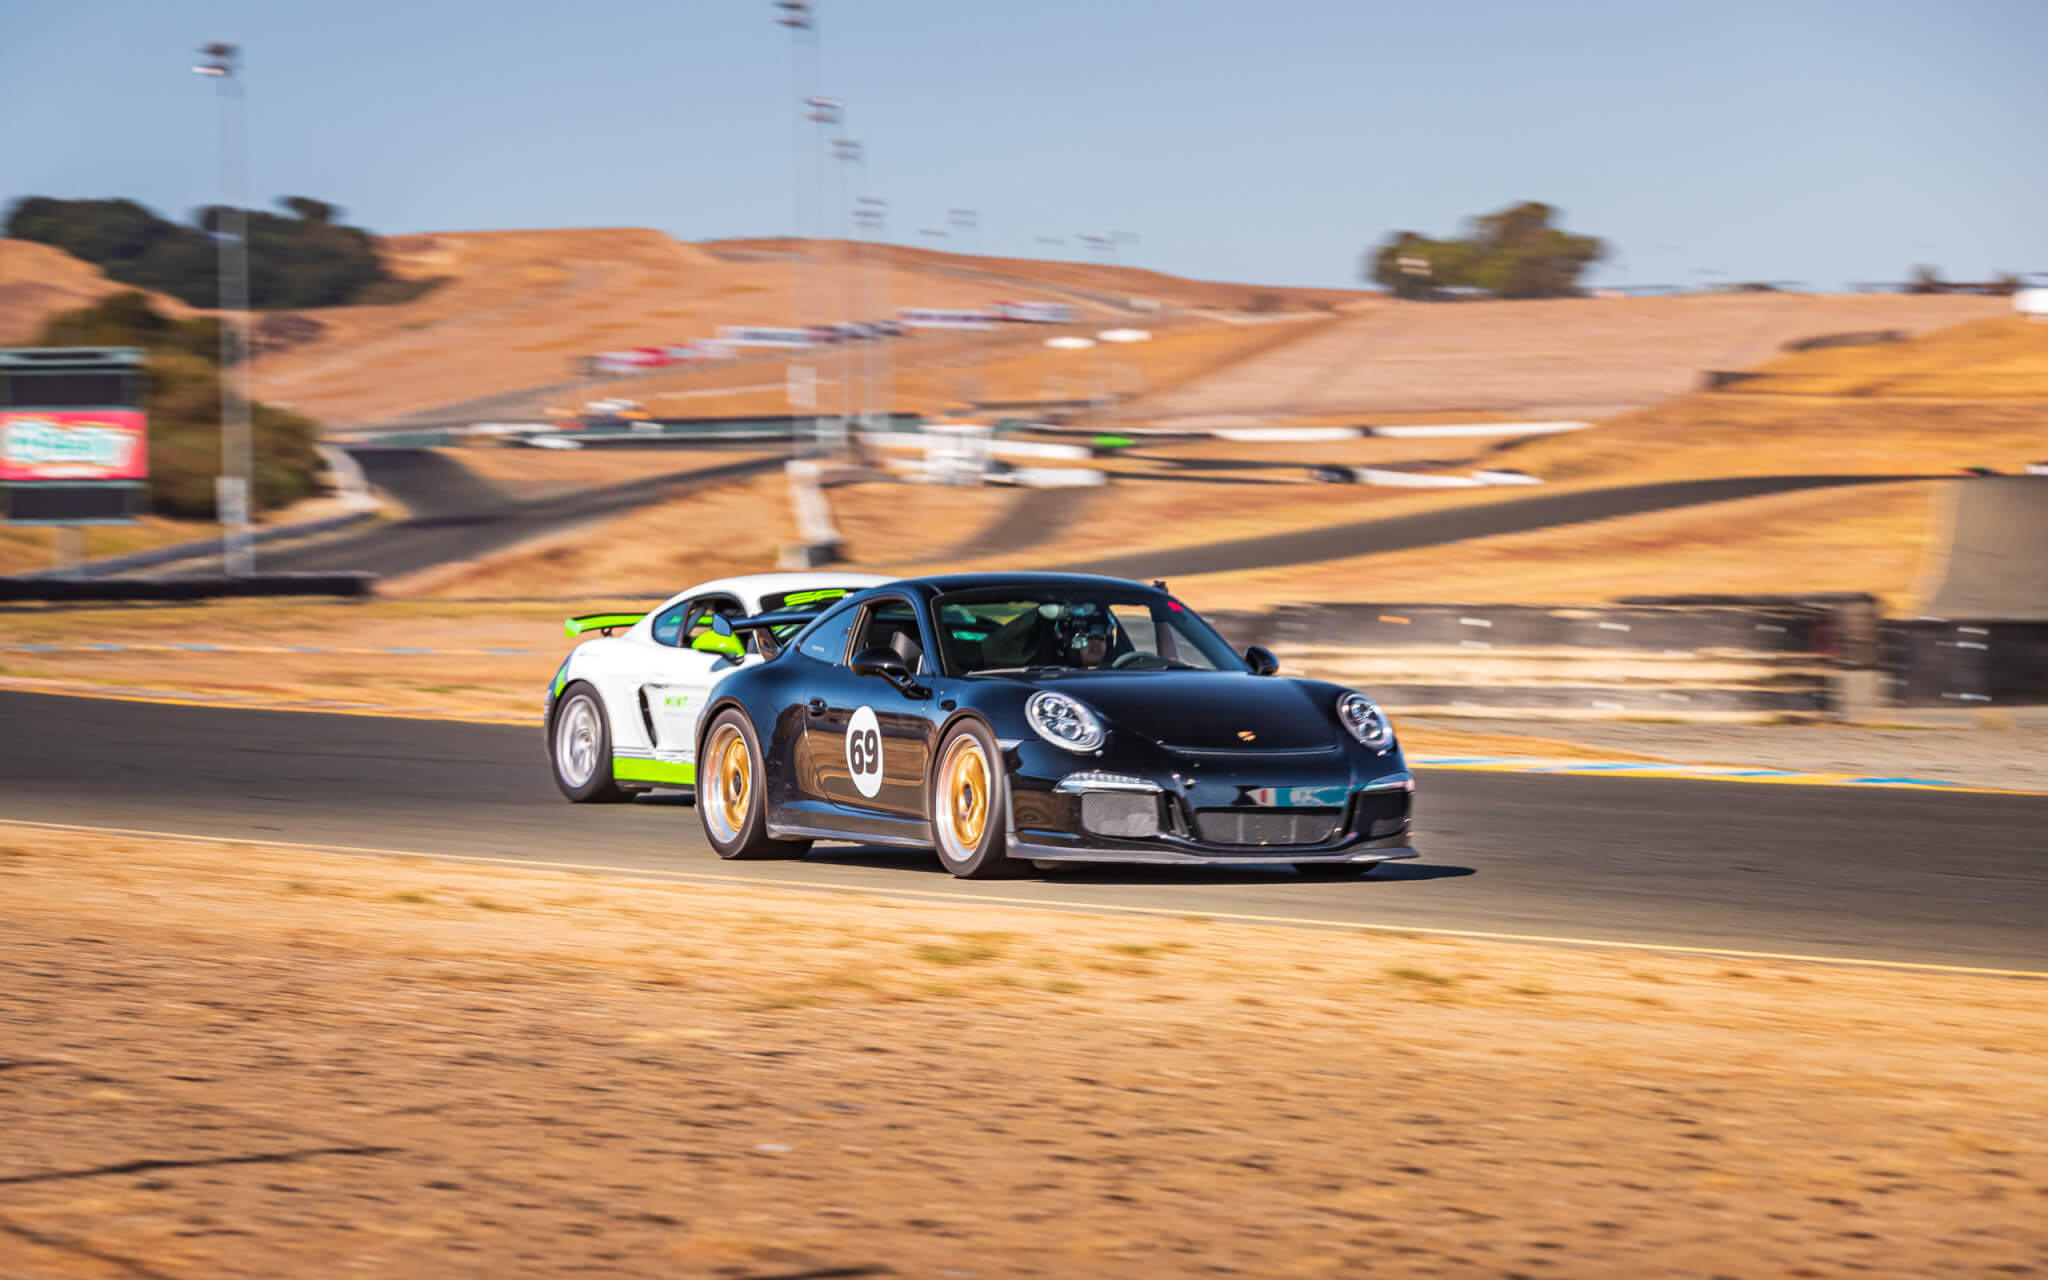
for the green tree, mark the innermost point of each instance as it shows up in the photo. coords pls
(1515, 253)
(184, 406)
(307, 259)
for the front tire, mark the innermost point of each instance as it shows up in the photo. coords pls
(969, 801)
(580, 748)
(730, 799)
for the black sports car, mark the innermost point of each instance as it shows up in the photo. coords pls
(1006, 719)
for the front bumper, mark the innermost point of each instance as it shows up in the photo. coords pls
(1344, 804)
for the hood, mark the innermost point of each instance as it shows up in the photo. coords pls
(1205, 710)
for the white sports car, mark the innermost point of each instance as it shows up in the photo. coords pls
(622, 710)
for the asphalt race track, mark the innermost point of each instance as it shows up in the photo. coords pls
(1927, 877)
(459, 516)
(1452, 524)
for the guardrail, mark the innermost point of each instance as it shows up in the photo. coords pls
(201, 547)
(57, 590)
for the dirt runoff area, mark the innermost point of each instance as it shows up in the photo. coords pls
(225, 1060)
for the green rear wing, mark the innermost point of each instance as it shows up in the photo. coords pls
(605, 622)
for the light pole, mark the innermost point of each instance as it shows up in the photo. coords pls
(1121, 337)
(848, 153)
(1070, 342)
(825, 113)
(230, 227)
(871, 217)
(800, 378)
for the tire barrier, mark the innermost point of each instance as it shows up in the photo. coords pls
(1932, 662)
(1778, 657)
(60, 590)
(1656, 629)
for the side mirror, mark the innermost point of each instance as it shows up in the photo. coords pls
(879, 661)
(727, 644)
(1261, 660)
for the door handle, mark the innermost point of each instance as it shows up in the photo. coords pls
(816, 706)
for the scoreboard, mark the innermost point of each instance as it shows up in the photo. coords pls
(74, 439)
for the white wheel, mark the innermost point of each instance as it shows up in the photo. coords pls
(580, 747)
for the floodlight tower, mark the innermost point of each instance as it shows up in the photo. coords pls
(230, 226)
(871, 216)
(848, 153)
(797, 15)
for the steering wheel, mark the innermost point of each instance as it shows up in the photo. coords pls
(1138, 658)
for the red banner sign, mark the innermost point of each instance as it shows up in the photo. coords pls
(89, 444)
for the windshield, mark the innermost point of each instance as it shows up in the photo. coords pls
(1082, 629)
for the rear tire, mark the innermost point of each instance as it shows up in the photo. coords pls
(580, 748)
(730, 801)
(969, 804)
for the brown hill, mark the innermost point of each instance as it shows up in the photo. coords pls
(1583, 357)
(516, 309)
(37, 281)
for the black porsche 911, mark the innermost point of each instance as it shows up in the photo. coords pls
(1012, 719)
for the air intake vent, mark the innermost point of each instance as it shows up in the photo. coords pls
(1267, 826)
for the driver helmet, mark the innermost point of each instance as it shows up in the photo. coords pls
(1082, 633)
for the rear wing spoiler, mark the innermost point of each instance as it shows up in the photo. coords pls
(764, 626)
(605, 622)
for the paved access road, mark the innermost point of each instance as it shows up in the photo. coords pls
(1997, 566)
(1945, 878)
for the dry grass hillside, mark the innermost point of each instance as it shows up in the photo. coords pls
(2005, 358)
(1110, 282)
(1580, 357)
(517, 308)
(37, 281)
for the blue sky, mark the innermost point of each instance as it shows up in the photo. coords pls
(1826, 141)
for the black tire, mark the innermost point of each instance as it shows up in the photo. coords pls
(969, 848)
(580, 727)
(730, 797)
(1336, 870)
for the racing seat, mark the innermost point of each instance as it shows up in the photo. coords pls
(907, 648)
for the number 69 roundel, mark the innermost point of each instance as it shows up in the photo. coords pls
(864, 751)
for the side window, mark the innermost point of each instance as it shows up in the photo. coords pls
(668, 624)
(698, 620)
(892, 624)
(826, 639)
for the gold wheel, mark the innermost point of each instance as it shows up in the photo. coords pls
(964, 797)
(735, 781)
(726, 786)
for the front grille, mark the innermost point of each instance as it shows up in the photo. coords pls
(1128, 815)
(1249, 826)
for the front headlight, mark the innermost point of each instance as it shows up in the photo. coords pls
(1064, 722)
(1366, 722)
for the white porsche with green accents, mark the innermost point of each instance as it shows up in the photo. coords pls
(622, 710)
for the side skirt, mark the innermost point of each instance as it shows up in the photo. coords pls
(782, 831)
(659, 772)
